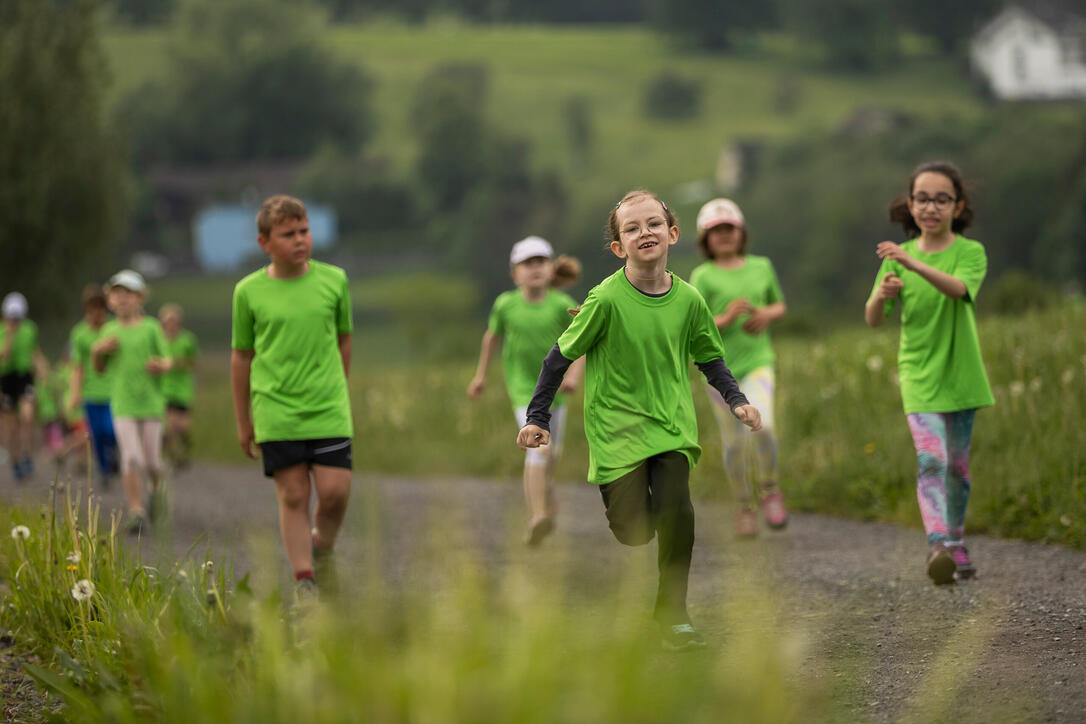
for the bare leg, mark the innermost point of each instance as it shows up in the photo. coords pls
(292, 490)
(333, 492)
(26, 427)
(535, 489)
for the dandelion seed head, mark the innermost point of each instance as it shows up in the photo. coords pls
(1016, 388)
(1068, 376)
(874, 363)
(1035, 384)
(83, 589)
(20, 532)
(74, 557)
(208, 566)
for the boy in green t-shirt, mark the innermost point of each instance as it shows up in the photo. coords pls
(178, 385)
(19, 355)
(91, 389)
(525, 322)
(639, 329)
(288, 369)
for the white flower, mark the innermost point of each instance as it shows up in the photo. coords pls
(20, 532)
(1068, 376)
(874, 363)
(1035, 384)
(82, 590)
(74, 557)
(208, 567)
(1016, 388)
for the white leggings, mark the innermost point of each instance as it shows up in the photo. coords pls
(749, 458)
(551, 451)
(140, 441)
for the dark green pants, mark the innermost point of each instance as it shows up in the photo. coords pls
(654, 500)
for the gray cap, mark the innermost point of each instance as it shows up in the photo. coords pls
(130, 280)
(15, 306)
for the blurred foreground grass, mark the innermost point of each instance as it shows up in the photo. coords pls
(845, 447)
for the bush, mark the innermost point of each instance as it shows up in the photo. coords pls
(672, 97)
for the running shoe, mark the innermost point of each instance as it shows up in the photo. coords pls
(773, 510)
(682, 637)
(941, 565)
(746, 523)
(539, 529)
(136, 524)
(963, 567)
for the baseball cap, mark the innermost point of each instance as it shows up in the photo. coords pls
(528, 248)
(719, 211)
(130, 280)
(15, 306)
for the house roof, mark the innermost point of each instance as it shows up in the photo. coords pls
(1060, 16)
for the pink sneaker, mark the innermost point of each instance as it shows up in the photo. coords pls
(963, 567)
(746, 523)
(773, 510)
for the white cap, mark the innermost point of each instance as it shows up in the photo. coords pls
(719, 211)
(15, 306)
(529, 248)
(130, 280)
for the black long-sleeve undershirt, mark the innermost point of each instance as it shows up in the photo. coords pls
(554, 369)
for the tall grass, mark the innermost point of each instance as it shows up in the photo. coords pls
(845, 447)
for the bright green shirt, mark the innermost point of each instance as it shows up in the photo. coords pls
(297, 384)
(179, 383)
(64, 381)
(939, 362)
(757, 282)
(20, 358)
(136, 392)
(528, 333)
(637, 385)
(96, 387)
(48, 395)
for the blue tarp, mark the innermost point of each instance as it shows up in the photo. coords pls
(225, 234)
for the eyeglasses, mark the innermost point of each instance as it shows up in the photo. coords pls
(941, 201)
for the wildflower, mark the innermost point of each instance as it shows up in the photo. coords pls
(1035, 384)
(82, 590)
(74, 557)
(1065, 521)
(1016, 388)
(1068, 376)
(20, 532)
(72, 567)
(208, 567)
(869, 448)
(874, 363)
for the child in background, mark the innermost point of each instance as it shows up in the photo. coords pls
(288, 371)
(936, 276)
(744, 297)
(178, 384)
(19, 354)
(63, 429)
(91, 389)
(639, 328)
(134, 348)
(526, 322)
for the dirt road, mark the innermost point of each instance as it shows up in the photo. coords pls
(882, 639)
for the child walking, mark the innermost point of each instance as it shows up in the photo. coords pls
(744, 296)
(133, 348)
(288, 370)
(936, 276)
(178, 385)
(19, 355)
(91, 388)
(639, 328)
(526, 322)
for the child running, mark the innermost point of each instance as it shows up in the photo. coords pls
(133, 348)
(639, 328)
(936, 276)
(526, 322)
(744, 296)
(178, 385)
(19, 355)
(90, 388)
(288, 370)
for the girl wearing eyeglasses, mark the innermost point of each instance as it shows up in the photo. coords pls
(936, 276)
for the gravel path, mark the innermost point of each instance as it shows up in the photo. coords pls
(881, 640)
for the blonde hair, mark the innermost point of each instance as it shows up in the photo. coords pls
(171, 308)
(276, 210)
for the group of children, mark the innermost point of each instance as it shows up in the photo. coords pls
(119, 379)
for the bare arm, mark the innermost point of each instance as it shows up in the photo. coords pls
(761, 317)
(345, 353)
(574, 375)
(101, 350)
(75, 388)
(241, 362)
(888, 289)
(947, 284)
(487, 350)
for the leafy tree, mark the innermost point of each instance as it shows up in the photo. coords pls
(251, 82)
(711, 24)
(142, 12)
(950, 24)
(63, 192)
(855, 34)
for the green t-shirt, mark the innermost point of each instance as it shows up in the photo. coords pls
(757, 282)
(136, 392)
(297, 385)
(64, 381)
(48, 396)
(96, 387)
(178, 384)
(528, 333)
(637, 386)
(20, 357)
(939, 362)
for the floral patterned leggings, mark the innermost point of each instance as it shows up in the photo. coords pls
(942, 485)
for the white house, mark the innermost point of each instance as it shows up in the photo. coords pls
(1033, 51)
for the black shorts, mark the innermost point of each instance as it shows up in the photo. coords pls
(335, 452)
(14, 386)
(176, 406)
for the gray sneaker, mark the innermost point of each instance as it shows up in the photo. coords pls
(682, 637)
